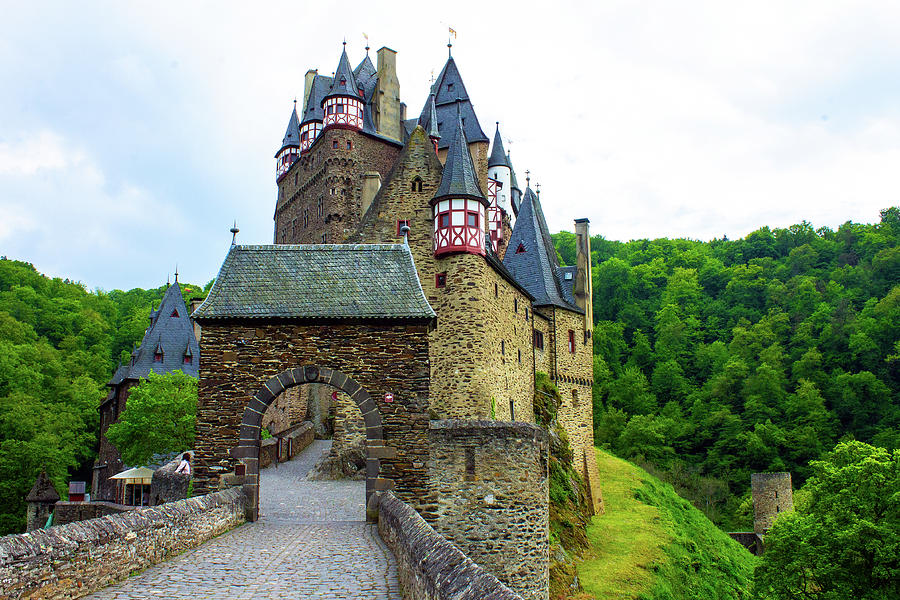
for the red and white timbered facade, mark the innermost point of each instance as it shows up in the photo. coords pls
(458, 226)
(309, 131)
(494, 213)
(285, 159)
(343, 111)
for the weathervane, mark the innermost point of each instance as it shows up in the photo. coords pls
(367, 43)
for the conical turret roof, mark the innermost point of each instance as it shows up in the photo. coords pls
(292, 134)
(344, 83)
(459, 179)
(498, 154)
(313, 110)
(43, 490)
(451, 98)
(513, 184)
(428, 119)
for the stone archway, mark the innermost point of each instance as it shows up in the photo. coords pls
(248, 447)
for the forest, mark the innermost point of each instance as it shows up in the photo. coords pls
(714, 360)
(59, 345)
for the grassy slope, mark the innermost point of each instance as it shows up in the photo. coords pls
(652, 544)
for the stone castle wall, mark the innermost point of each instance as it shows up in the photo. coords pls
(488, 495)
(429, 567)
(70, 561)
(772, 495)
(334, 176)
(238, 358)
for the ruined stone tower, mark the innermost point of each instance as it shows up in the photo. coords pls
(772, 495)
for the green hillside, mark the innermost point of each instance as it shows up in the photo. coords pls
(652, 544)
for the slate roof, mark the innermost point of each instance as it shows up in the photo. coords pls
(365, 74)
(459, 178)
(174, 335)
(428, 118)
(515, 194)
(343, 73)
(313, 110)
(292, 134)
(537, 268)
(449, 92)
(498, 155)
(42, 490)
(317, 281)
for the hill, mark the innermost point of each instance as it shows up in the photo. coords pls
(652, 544)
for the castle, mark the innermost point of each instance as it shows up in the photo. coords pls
(353, 169)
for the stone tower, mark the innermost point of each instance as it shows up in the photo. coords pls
(772, 495)
(41, 500)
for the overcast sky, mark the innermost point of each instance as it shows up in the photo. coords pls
(133, 133)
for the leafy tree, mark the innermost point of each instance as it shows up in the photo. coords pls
(160, 416)
(843, 540)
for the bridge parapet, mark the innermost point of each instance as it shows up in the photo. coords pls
(73, 560)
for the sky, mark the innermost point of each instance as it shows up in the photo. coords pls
(133, 134)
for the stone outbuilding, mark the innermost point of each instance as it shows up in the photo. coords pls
(41, 499)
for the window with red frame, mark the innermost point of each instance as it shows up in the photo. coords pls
(538, 339)
(440, 280)
(158, 357)
(571, 341)
(187, 359)
(174, 313)
(400, 224)
(444, 220)
(471, 219)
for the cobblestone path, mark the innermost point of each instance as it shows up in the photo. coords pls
(311, 541)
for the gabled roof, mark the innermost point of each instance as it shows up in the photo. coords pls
(171, 332)
(292, 134)
(42, 490)
(317, 281)
(498, 155)
(344, 82)
(537, 268)
(313, 110)
(450, 92)
(459, 179)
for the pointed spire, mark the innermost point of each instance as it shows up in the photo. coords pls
(292, 134)
(498, 155)
(514, 184)
(344, 83)
(176, 272)
(459, 179)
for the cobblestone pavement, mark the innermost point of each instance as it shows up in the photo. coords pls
(311, 541)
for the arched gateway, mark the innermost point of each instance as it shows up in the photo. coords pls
(350, 316)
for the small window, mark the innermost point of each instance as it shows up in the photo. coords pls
(568, 276)
(574, 397)
(515, 305)
(158, 357)
(440, 280)
(331, 110)
(520, 249)
(503, 347)
(295, 178)
(340, 108)
(174, 313)
(443, 220)
(187, 360)
(334, 144)
(496, 290)
(538, 339)
(343, 83)
(512, 410)
(526, 314)
(572, 341)
(323, 238)
(520, 355)
(401, 223)
(304, 136)
(472, 219)
(587, 337)
(449, 87)
(349, 145)
(416, 185)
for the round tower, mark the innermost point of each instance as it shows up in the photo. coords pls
(499, 188)
(772, 495)
(458, 206)
(343, 104)
(290, 146)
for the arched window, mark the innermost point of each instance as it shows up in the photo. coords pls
(416, 185)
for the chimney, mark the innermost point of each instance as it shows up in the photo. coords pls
(387, 95)
(307, 88)
(583, 285)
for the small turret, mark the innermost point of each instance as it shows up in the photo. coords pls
(498, 189)
(343, 104)
(429, 121)
(515, 192)
(459, 204)
(314, 90)
(290, 146)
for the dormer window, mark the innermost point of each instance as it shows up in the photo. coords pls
(343, 82)
(568, 276)
(520, 249)
(449, 87)
(157, 357)
(174, 313)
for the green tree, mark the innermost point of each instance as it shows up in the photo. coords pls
(160, 416)
(843, 541)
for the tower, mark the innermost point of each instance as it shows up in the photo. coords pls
(290, 146)
(314, 89)
(343, 104)
(498, 190)
(772, 495)
(458, 206)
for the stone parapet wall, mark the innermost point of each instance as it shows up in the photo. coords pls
(429, 566)
(72, 512)
(488, 494)
(292, 441)
(71, 561)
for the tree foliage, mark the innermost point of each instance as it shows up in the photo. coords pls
(723, 358)
(160, 416)
(843, 540)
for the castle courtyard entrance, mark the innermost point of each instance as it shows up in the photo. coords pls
(353, 317)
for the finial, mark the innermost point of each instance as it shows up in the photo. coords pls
(527, 178)
(168, 281)
(176, 272)
(345, 41)
(538, 186)
(234, 231)
(404, 231)
(295, 102)
(367, 42)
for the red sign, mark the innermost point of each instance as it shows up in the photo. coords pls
(334, 395)
(389, 397)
